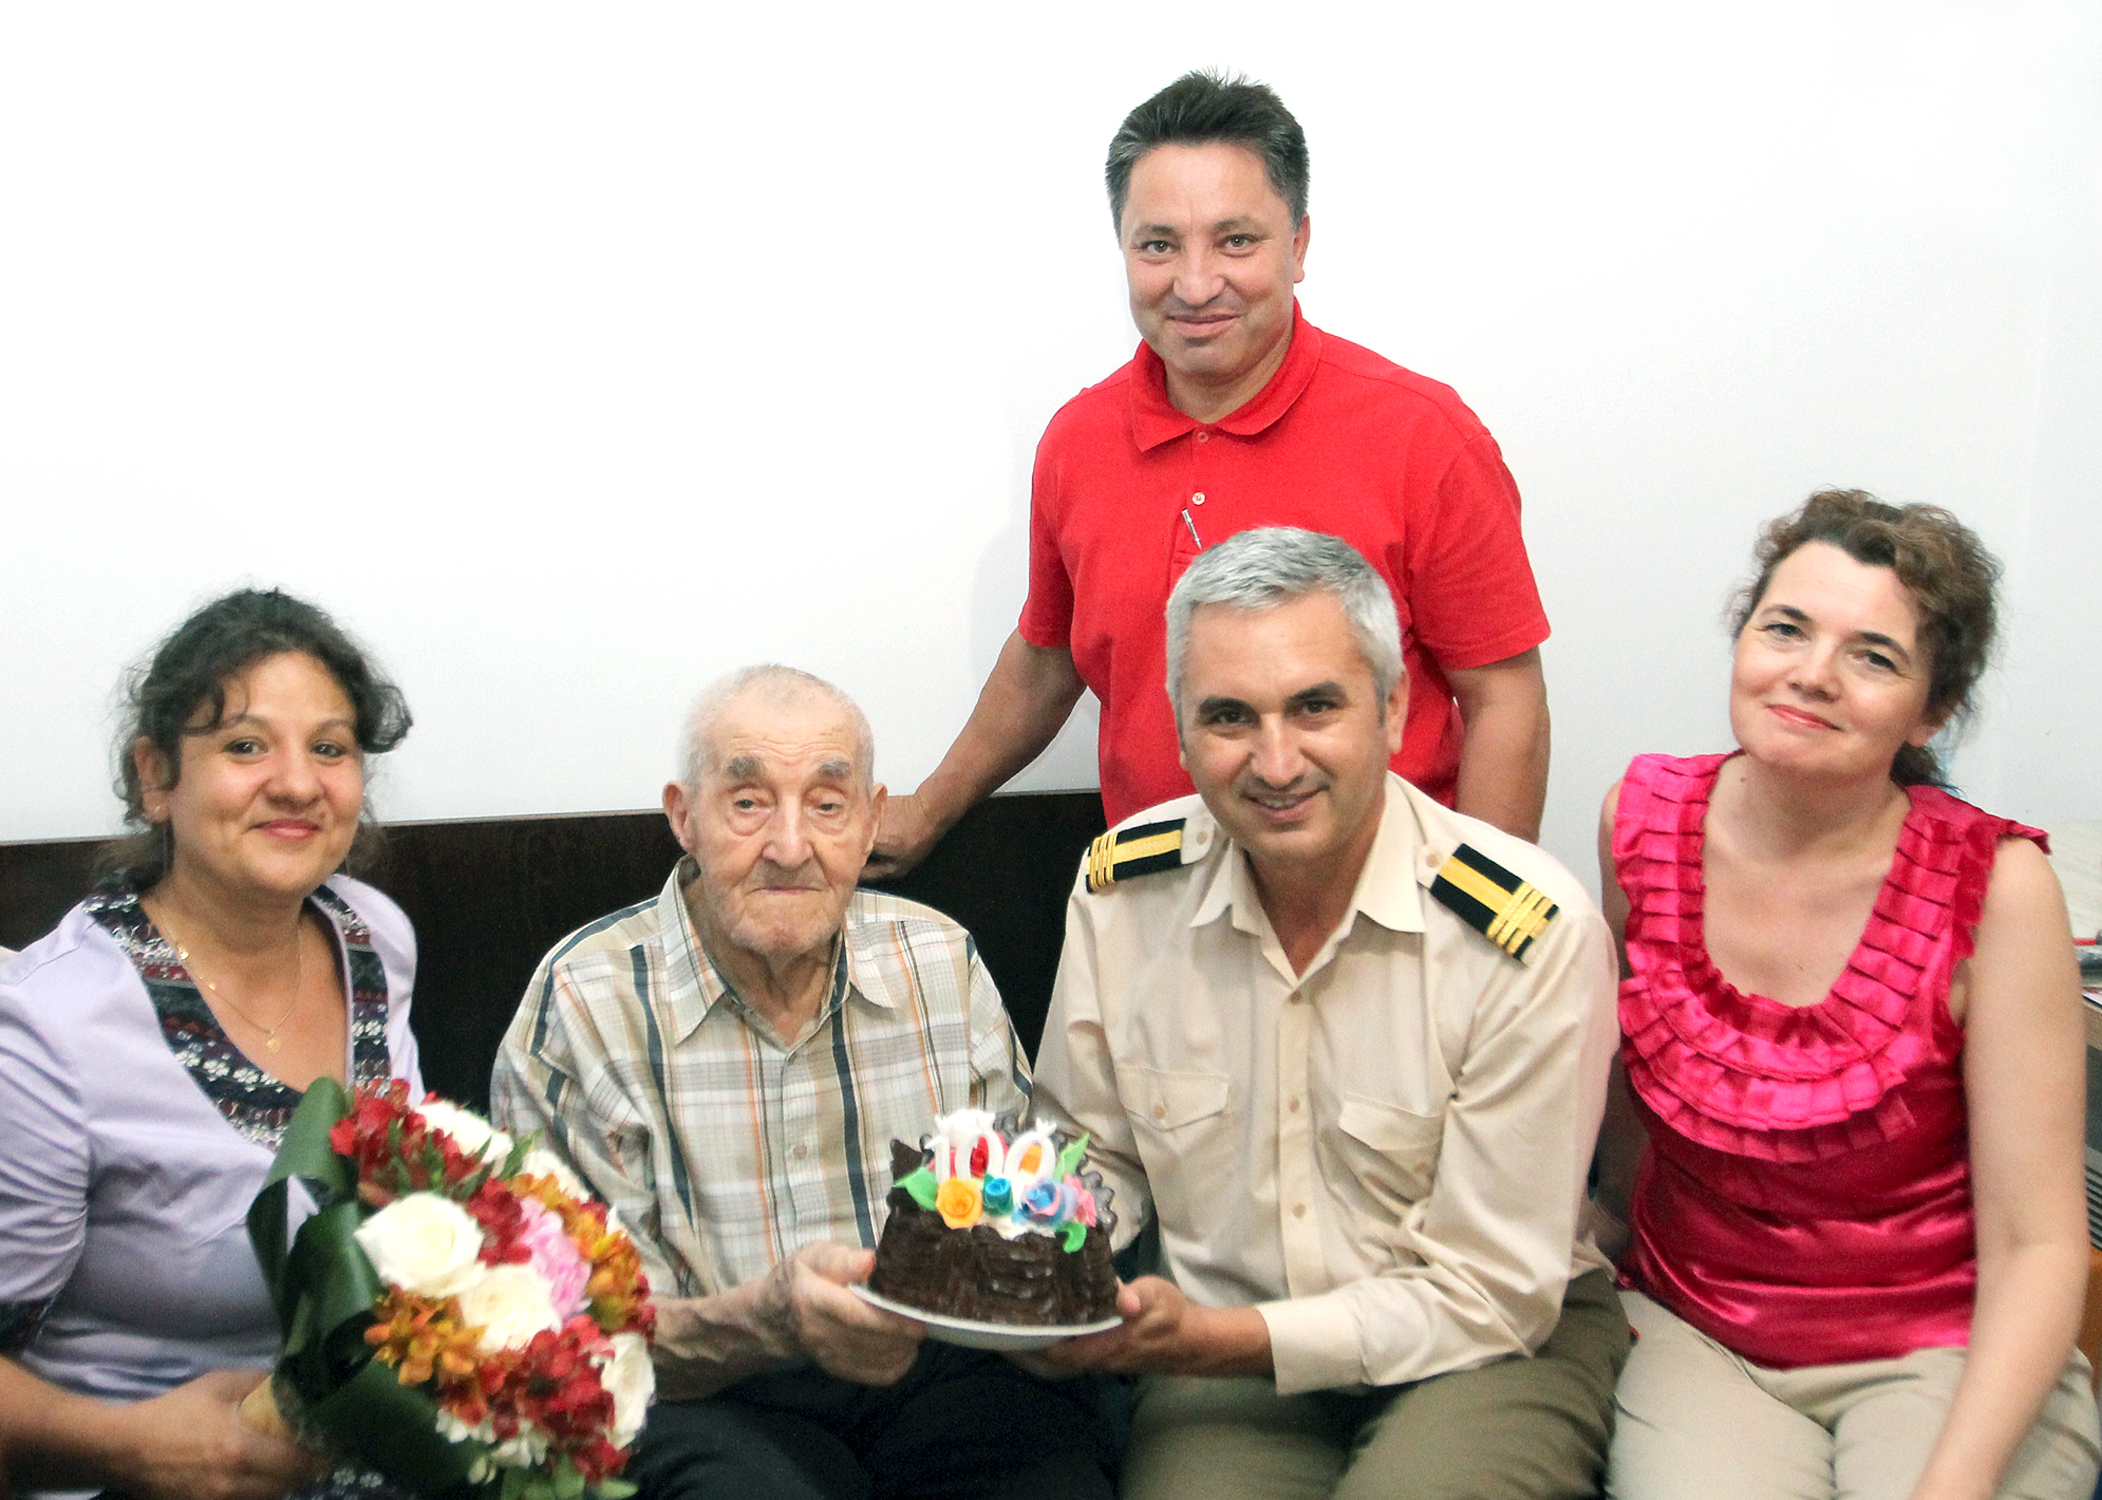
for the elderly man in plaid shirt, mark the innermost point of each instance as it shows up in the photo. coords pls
(726, 1065)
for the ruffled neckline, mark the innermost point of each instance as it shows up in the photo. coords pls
(1748, 1074)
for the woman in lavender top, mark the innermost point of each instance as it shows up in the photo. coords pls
(154, 1045)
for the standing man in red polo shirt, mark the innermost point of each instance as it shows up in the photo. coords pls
(1235, 413)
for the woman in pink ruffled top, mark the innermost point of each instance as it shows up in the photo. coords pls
(1853, 1043)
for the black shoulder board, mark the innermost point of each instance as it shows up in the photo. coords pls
(1123, 853)
(1493, 901)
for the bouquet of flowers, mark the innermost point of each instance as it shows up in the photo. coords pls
(458, 1311)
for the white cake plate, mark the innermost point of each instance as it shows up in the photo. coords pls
(972, 1334)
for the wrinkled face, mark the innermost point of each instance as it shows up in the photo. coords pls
(1829, 677)
(1286, 737)
(780, 826)
(1211, 257)
(267, 801)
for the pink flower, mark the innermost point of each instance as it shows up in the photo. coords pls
(555, 1258)
(1083, 1201)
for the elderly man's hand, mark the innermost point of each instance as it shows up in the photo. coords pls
(905, 831)
(845, 1335)
(1165, 1333)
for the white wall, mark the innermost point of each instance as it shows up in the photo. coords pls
(573, 355)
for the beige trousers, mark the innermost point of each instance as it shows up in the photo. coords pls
(1695, 1422)
(1515, 1429)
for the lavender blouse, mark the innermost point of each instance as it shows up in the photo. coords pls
(133, 1136)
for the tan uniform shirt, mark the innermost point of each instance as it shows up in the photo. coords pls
(1384, 1155)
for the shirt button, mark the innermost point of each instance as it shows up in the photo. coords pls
(801, 1152)
(1292, 1105)
(1160, 1113)
(1299, 1210)
(1198, 498)
(1295, 998)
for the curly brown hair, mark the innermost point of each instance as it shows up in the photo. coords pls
(181, 692)
(1945, 569)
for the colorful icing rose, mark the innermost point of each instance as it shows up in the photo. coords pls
(958, 1202)
(1042, 1203)
(1083, 1201)
(998, 1195)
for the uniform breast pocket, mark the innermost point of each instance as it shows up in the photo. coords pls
(1184, 1137)
(1387, 1154)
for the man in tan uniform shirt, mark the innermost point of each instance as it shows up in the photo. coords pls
(1350, 1049)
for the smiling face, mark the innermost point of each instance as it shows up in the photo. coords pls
(268, 799)
(1211, 257)
(1829, 678)
(1286, 738)
(779, 824)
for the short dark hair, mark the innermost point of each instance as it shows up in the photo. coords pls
(187, 678)
(1945, 569)
(1203, 107)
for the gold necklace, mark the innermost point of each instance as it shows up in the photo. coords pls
(299, 983)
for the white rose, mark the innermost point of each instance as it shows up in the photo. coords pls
(541, 1162)
(424, 1243)
(453, 1430)
(470, 1132)
(628, 1378)
(526, 1451)
(510, 1304)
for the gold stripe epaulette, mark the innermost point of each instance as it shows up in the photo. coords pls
(1482, 893)
(1123, 853)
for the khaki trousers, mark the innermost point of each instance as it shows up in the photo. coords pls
(1696, 1422)
(1526, 1429)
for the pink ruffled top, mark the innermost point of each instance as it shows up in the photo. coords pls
(1806, 1197)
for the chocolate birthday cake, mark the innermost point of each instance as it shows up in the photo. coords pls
(998, 1225)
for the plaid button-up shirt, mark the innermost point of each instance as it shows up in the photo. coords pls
(723, 1151)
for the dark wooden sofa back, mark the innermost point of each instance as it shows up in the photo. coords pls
(490, 896)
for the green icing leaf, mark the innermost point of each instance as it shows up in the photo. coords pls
(1073, 1233)
(921, 1185)
(1070, 1158)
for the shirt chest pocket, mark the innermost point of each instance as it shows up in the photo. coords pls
(1185, 1139)
(1385, 1154)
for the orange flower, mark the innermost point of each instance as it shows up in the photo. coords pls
(423, 1337)
(956, 1200)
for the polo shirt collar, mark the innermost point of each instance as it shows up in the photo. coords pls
(1155, 420)
(1386, 892)
(694, 986)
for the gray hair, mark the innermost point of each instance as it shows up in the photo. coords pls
(780, 687)
(1274, 565)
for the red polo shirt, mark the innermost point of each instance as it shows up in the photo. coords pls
(1340, 441)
